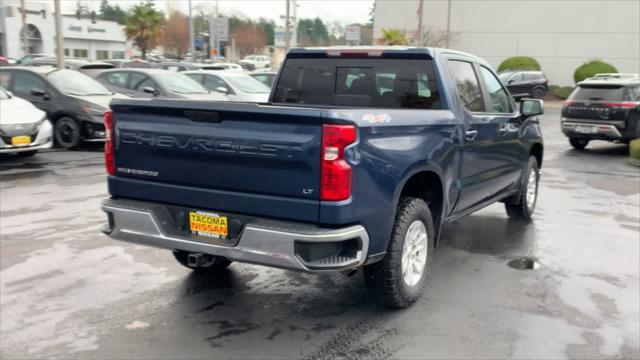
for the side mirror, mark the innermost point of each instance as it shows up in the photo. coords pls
(10, 93)
(222, 89)
(531, 107)
(40, 93)
(150, 90)
(511, 81)
(519, 97)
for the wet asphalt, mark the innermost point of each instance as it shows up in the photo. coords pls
(67, 291)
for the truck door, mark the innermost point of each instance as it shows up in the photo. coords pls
(486, 167)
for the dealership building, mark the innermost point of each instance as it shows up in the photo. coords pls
(95, 40)
(561, 35)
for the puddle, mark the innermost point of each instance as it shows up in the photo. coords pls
(523, 264)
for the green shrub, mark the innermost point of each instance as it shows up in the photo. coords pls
(591, 68)
(561, 92)
(553, 88)
(634, 149)
(519, 63)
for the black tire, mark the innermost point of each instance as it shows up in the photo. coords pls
(523, 207)
(218, 265)
(385, 278)
(67, 132)
(578, 144)
(27, 153)
(538, 93)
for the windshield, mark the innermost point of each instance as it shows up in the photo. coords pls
(248, 84)
(250, 58)
(74, 83)
(180, 84)
(3, 94)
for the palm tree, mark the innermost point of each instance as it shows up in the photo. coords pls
(394, 37)
(143, 25)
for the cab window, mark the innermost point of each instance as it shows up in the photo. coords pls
(499, 99)
(467, 84)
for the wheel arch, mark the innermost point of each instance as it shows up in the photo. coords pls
(537, 150)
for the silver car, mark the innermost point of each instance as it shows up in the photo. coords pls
(236, 86)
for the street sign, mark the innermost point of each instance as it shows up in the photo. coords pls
(279, 37)
(352, 33)
(220, 27)
(214, 51)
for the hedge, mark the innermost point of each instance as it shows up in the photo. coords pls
(519, 63)
(591, 68)
(561, 92)
(634, 149)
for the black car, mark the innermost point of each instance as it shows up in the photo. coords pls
(604, 107)
(533, 83)
(148, 83)
(265, 77)
(74, 102)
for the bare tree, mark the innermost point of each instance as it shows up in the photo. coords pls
(249, 40)
(175, 35)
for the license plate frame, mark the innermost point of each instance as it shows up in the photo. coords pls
(585, 129)
(21, 140)
(208, 224)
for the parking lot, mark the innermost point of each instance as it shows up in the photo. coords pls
(67, 291)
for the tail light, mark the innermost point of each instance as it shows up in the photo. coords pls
(108, 144)
(623, 104)
(567, 103)
(335, 172)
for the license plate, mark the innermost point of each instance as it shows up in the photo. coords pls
(208, 224)
(21, 140)
(585, 129)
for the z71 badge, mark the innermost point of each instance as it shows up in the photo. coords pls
(376, 118)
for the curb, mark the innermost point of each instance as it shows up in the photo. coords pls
(634, 162)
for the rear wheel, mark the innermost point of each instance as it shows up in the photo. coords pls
(538, 93)
(578, 144)
(215, 265)
(67, 132)
(399, 278)
(524, 206)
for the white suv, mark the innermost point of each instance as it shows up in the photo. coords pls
(253, 62)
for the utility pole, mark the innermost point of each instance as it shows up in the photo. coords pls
(287, 30)
(419, 31)
(59, 36)
(25, 31)
(448, 22)
(191, 40)
(215, 29)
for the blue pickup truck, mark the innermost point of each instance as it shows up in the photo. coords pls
(359, 159)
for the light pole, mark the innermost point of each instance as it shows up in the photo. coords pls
(59, 36)
(191, 44)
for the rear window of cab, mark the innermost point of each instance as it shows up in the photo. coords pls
(384, 83)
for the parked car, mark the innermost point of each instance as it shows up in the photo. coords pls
(334, 174)
(265, 77)
(253, 62)
(132, 63)
(74, 102)
(234, 85)
(533, 83)
(24, 129)
(25, 60)
(176, 66)
(85, 66)
(222, 66)
(4, 61)
(604, 107)
(151, 83)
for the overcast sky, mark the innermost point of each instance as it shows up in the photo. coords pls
(345, 11)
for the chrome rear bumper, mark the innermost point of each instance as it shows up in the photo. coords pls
(264, 242)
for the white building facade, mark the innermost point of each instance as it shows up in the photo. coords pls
(560, 34)
(82, 37)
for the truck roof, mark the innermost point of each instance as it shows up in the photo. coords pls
(377, 51)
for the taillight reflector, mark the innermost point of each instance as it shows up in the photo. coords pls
(335, 172)
(109, 159)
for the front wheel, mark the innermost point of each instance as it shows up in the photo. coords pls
(525, 204)
(578, 144)
(67, 132)
(399, 278)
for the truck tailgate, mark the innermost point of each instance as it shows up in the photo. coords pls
(245, 150)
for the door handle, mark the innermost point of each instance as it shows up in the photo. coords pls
(470, 135)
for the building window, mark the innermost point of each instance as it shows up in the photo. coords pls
(67, 52)
(80, 53)
(102, 54)
(117, 54)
